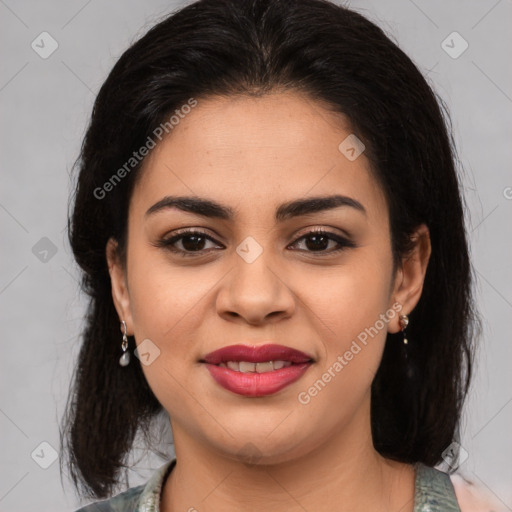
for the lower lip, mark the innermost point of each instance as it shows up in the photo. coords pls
(257, 384)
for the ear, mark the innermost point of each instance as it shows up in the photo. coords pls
(120, 292)
(410, 276)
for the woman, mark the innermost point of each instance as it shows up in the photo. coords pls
(267, 208)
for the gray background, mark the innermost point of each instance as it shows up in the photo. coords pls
(45, 107)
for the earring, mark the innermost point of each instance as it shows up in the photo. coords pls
(124, 360)
(404, 322)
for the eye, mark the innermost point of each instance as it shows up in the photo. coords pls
(192, 242)
(318, 240)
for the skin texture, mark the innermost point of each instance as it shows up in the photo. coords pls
(473, 497)
(253, 154)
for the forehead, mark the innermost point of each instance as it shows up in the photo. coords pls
(249, 152)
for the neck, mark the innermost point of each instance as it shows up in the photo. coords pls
(345, 469)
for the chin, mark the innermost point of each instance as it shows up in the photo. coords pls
(260, 450)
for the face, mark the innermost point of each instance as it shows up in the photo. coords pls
(254, 272)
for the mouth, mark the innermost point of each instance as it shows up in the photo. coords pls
(256, 371)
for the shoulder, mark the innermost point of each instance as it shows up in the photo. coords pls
(135, 499)
(126, 501)
(434, 491)
(474, 498)
(454, 492)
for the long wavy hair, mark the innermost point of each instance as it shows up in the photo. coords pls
(339, 58)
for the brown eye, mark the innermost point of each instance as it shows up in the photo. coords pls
(318, 240)
(191, 242)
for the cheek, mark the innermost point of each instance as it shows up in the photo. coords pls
(166, 300)
(351, 297)
(167, 307)
(171, 304)
(352, 312)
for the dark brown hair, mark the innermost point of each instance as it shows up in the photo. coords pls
(338, 57)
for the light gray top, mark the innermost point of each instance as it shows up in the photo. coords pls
(434, 492)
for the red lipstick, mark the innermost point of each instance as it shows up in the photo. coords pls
(256, 371)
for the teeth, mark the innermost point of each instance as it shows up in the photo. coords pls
(264, 367)
(247, 367)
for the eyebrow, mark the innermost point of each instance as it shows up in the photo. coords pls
(214, 210)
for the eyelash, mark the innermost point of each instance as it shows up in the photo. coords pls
(167, 243)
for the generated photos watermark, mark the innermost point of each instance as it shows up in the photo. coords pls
(304, 397)
(138, 156)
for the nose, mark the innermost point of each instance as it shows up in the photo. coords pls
(256, 292)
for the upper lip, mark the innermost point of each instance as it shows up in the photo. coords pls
(256, 354)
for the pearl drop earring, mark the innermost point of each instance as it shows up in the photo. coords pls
(404, 322)
(124, 360)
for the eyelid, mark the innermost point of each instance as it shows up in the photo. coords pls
(190, 231)
(325, 230)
